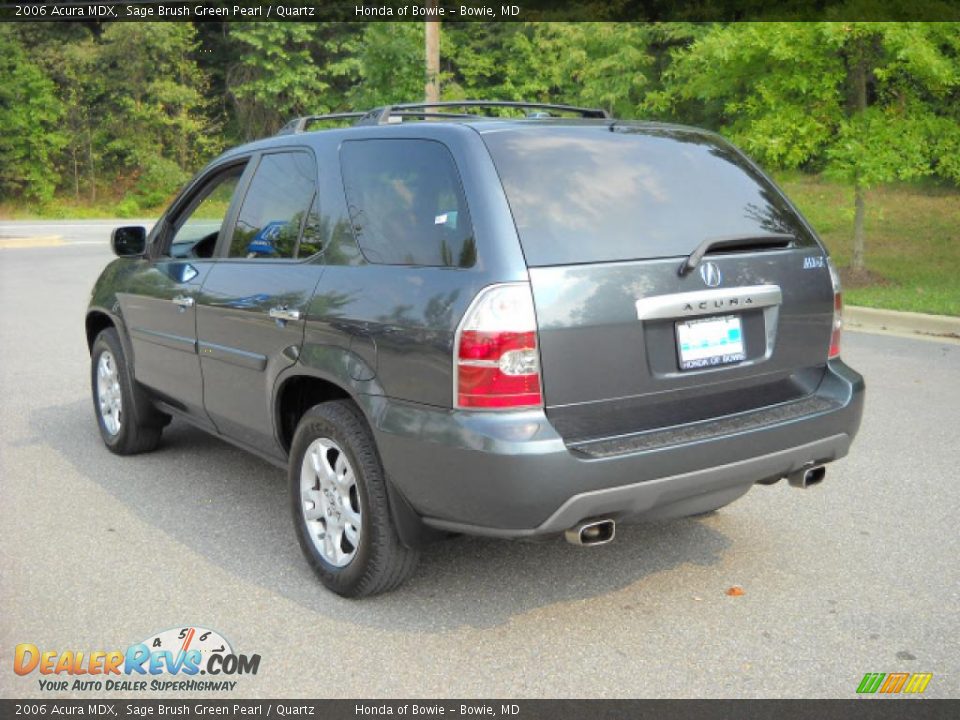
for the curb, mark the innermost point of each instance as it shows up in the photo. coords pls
(874, 320)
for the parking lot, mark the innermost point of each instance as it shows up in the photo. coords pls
(857, 575)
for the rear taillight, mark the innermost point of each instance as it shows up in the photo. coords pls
(497, 364)
(837, 311)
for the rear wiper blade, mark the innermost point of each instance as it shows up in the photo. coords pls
(777, 240)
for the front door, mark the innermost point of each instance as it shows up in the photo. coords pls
(160, 307)
(251, 312)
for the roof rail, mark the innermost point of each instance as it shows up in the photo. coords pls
(381, 115)
(389, 114)
(299, 125)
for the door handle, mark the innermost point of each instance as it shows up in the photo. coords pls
(183, 301)
(283, 313)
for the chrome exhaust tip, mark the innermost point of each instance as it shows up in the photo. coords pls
(591, 532)
(807, 476)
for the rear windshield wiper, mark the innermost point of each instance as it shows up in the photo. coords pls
(734, 242)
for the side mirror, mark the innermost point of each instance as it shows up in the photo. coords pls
(128, 241)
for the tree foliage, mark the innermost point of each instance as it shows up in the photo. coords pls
(30, 114)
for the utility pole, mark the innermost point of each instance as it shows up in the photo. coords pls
(432, 27)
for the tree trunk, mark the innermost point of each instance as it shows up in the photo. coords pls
(91, 169)
(76, 172)
(856, 260)
(432, 88)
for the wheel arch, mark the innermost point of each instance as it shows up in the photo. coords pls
(296, 394)
(299, 391)
(95, 323)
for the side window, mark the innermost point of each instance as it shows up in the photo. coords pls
(406, 203)
(198, 225)
(275, 207)
(311, 242)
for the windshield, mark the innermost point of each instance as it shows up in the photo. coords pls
(592, 194)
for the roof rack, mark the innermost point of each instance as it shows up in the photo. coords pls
(389, 114)
(381, 116)
(299, 125)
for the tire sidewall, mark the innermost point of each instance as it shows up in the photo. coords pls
(108, 340)
(314, 425)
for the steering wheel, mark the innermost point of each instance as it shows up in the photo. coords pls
(204, 247)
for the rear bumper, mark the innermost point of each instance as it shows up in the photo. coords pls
(512, 475)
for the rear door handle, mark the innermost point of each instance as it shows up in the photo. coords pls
(283, 313)
(183, 301)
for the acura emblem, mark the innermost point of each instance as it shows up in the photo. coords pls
(710, 274)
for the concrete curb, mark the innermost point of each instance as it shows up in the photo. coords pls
(873, 320)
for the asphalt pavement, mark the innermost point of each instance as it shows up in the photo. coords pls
(857, 575)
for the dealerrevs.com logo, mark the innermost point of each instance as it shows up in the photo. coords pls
(171, 660)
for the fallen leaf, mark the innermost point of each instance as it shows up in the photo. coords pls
(735, 591)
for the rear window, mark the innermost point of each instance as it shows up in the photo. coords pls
(589, 194)
(406, 203)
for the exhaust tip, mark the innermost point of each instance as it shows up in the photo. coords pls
(591, 532)
(808, 476)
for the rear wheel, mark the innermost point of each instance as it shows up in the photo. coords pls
(339, 503)
(128, 423)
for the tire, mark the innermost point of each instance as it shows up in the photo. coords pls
(132, 425)
(337, 484)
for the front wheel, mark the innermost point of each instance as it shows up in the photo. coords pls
(339, 503)
(128, 423)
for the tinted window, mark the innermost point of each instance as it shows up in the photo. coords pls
(198, 226)
(587, 194)
(311, 241)
(406, 203)
(275, 207)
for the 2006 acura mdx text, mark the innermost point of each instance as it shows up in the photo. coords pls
(442, 321)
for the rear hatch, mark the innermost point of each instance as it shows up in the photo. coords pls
(628, 344)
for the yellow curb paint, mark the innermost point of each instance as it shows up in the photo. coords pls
(31, 242)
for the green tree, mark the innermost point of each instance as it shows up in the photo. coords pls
(609, 65)
(600, 64)
(74, 67)
(389, 65)
(589, 63)
(286, 70)
(30, 116)
(867, 102)
(154, 107)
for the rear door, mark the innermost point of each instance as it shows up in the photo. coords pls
(250, 315)
(159, 307)
(627, 342)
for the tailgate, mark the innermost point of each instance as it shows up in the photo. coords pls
(611, 349)
(606, 213)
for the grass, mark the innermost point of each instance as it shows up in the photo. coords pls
(912, 245)
(70, 209)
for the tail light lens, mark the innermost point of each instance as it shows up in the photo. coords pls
(497, 363)
(837, 311)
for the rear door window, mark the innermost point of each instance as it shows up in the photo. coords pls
(406, 203)
(592, 194)
(275, 207)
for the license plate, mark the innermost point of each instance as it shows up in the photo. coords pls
(708, 342)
